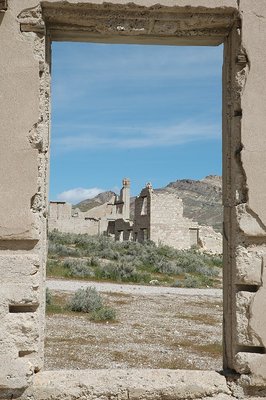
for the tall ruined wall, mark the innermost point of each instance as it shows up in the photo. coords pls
(65, 219)
(167, 224)
(59, 211)
(100, 211)
(142, 215)
(244, 192)
(210, 240)
(24, 151)
(75, 225)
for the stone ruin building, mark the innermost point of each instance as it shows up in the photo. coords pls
(64, 218)
(27, 29)
(158, 217)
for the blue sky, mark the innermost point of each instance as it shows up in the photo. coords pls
(149, 113)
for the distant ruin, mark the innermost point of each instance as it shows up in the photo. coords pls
(158, 217)
(64, 218)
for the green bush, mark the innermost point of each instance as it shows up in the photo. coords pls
(191, 282)
(48, 297)
(122, 272)
(86, 300)
(103, 314)
(78, 268)
(128, 261)
(62, 250)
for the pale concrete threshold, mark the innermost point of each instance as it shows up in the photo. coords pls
(128, 384)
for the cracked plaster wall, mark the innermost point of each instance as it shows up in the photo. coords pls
(244, 196)
(24, 153)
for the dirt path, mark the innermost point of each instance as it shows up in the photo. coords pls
(73, 285)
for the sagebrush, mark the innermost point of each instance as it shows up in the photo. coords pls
(88, 300)
(102, 258)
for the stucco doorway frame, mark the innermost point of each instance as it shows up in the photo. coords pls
(152, 24)
(136, 24)
(127, 24)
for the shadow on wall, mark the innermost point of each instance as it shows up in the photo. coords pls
(1, 16)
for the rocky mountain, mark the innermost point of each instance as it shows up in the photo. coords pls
(202, 199)
(101, 198)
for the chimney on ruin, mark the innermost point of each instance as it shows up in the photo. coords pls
(125, 197)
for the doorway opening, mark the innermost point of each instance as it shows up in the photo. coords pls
(151, 114)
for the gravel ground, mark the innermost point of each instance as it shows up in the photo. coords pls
(156, 327)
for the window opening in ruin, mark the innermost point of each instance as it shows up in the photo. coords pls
(130, 234)
(144, 206)
(144, 234)
(149, 147)
(194, 236)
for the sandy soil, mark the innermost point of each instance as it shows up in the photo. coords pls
(155, 328)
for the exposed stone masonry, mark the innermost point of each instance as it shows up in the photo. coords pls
(158, 217)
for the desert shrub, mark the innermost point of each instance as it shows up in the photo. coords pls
(78, 268)
(123, 272)
(62, 238)
(51, 265)
(216, 260)
(128, 261)
(208, 271)
(176, 283)
(56, 268)
(61, 250)
(94, 262)
(109, 254)
(168, 267)
(86, 300)
(48, 297)
(83, 241)
(166, 251)
(117, 271)
(103, 314)
(191, 282)
(206, 281)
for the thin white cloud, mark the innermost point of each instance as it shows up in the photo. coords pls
(135, 137)
(78, 194)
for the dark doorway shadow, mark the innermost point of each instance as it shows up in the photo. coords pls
(2, 13)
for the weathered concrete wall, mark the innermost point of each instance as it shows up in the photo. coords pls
(244, 193)
(142, 214)
(121, 208)
(168, 226)
(24, 153)
(24, 132)
(159, 216)
(101, 211)
(210, 240)
(59, 210)
(67, 220)
(64, 218)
